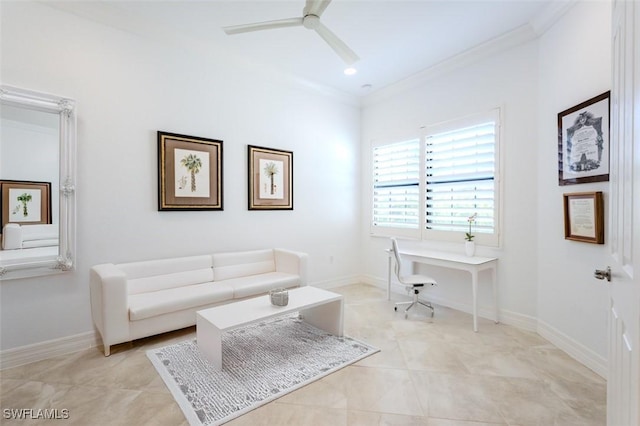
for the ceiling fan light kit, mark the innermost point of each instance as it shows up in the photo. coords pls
(311, 20)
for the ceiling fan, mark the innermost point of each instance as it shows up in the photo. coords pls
(311, 20)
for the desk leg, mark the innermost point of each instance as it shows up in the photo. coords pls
(389, 277)
(494, 282)
(474, 289)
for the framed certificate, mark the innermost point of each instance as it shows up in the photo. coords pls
(583, 142)
(584, 217)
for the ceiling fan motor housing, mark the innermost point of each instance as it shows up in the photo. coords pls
(311, 22)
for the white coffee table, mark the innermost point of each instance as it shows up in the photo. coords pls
(320, 308)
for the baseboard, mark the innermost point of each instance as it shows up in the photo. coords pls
(374, 281)
(16, 357)
(337, 282)
(574, 349)
(521, 321)
(515, 319)
(524, 322)
(22, 355)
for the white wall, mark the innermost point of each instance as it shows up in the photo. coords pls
(509, 81)
(575, 65)
(545, 282)
(128, 87)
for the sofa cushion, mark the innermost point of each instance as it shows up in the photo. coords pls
(241, 264)
(163, 274)
(163, 282)
(260, 284)
(146, 305)
(39, 232)
(17, 236)
(40, 243)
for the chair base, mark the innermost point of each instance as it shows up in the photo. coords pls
(414, 302)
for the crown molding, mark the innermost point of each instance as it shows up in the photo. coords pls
(550, 15)
(504, 42)
(523, 34)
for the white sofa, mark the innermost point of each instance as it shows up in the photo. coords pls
(15, 236)
(139, 299)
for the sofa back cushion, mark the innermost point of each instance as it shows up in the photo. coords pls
(39, 232)
(241, 264)
(154, 275)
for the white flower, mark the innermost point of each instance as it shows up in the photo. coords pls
(468, 235)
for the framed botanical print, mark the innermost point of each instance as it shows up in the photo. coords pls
(270, 178)
(189, 173)
(25, 202)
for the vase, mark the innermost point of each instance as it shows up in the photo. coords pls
(469, 248)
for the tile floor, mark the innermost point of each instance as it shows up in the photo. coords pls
(434, 372)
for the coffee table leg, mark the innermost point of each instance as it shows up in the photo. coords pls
(209, 339)
(327, 317)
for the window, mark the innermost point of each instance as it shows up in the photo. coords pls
(460, 178)
(396, 191)
(429, 186)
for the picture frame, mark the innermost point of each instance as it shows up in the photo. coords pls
(584, 217)
(25, 202)
(190, 174)
(270, 178)
(583, 142)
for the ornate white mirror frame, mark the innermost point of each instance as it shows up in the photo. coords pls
(65, 108)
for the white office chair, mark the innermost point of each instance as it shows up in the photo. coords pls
(413, 283)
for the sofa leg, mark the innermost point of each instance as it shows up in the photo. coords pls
(107, 350)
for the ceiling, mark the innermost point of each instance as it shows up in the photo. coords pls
(393, 38)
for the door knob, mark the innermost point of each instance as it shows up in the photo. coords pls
(601, 274)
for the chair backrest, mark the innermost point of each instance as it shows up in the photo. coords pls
(396, 253)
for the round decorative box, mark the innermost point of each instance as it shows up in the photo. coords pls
(279, 297)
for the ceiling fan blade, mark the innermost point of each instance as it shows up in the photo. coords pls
(259, 26)
(315, 7)
(337, 45)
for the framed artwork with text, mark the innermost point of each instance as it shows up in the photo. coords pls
(583, 142)
(584, 217)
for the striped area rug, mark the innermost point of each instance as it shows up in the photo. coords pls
(261, 362)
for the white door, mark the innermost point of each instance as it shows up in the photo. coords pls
(623, 384)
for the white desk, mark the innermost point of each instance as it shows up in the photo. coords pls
(471, 264)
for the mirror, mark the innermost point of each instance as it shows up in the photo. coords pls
(37, 183)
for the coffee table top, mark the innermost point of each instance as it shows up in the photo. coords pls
(236, 314)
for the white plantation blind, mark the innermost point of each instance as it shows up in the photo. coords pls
(429, 186)
(396, 190)
(460, 181)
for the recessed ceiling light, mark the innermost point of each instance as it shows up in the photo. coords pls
(350, 71)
